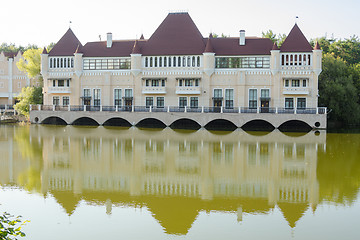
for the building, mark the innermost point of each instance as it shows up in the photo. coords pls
(177, 66)
(12, 80)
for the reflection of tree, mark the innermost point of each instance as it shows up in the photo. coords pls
(30, 151)
(338, 169)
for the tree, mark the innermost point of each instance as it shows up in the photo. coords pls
(10, 227)
(275, 38)
(27, 97)
(31, 64)
(215, 35)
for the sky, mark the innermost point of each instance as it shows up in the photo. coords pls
(44, 21)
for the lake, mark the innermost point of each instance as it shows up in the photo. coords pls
(130, 183)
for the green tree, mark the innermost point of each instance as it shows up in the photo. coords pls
(275, 38)
(31, 64)
(27, 97)
(10, 227)
(337, 90)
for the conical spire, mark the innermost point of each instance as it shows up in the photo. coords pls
(210, 35)
(136, 49)
(275, 47)
(296, 42)
(209, 48)
(142, 37)
(317, 46)
(44, 51)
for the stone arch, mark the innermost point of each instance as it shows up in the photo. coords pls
(117, 122)
(221, 124)
(258, 125)
(185, 123)
(151, 123)
(295, 126)
(54, 121)
(85, 121)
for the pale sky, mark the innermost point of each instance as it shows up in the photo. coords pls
(44, 21)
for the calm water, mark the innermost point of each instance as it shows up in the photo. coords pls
(111, 183)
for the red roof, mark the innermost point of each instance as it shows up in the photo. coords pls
(317, 46)
(10, 54)
(275, 47)
(176, 35)
(296, 42)
(44, 51)
(66, 46)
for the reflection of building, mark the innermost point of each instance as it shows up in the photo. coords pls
(195, 172)
(177, 66)
(12, 80)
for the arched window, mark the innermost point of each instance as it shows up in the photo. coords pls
(295, 61)
(156, 61)
(58, 63)
(184, 62)
(198, 61)
(179, 61)
(174, 62)
(151, 62)
(51, 62)
(309, 62)
(291, 60)
(193, 61)
(72, 62)
(165, 61)
(146, 62)
(282, 59)
(160, 62)
(287, 59)
(188, 62)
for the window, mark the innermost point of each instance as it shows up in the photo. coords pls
(179, 61)
(242, 62)
(217, 93)
(165, 62)
(117, 97)
(61, 83)
(160, 62)
(287, 83)
(182, 101)
(128, 93)
(86, 92)
(160, 102)
(193, 62)
(106, 64)
(149, 101)
(289, 103)
(301, 103)
(68, 83)
(56, 100)
(295, 83)
(156, 62)
(151, 61)
(304, 82)
(265, 93)
(252, 98)
(66, 100)
(54, 83)
(194, 102)
(198, 61)
(146, 62)
(188, 62)
(97, 97)
(229, 98)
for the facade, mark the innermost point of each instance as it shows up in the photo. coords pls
(12, 80)
(177, 66)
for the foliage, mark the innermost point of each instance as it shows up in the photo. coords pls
(28, 96)
(6, 47)
(10, 227)
(275, 38)
(215, 35)
(32, 62)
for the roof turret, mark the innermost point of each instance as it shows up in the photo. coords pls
(67, 45)
(296, 42)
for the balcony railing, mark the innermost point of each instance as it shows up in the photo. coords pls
(187, 109)
(188, 90)
(296, 91)
(59, 90)
(154, 90)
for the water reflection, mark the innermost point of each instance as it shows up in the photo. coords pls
(176, 175)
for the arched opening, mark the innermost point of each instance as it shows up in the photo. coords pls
(295, 126)
(185, 123)
(150, 123)
(54, 121)
(258, 125)
(85, 121)
(117, 122)
(221, 125)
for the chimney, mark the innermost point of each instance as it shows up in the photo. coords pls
(242, 38)
(109, 40)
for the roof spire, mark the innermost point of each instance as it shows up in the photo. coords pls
(209, 48)
(317, 46)
(44, 51)
(275, 47)
(136, 49)
(142, 37)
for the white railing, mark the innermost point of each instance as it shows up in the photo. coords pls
(154, 90)
(188, 90)
(59, 90)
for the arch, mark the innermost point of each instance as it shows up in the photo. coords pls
(54, 121)
(258, 125)
(150, 123)
(221, 124)
(117, 122)
(295, 126)
(85, 121)
(185, 123)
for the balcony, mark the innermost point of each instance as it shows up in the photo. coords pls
(296, 91)
(154, 90)
(188, 90)
(59, 90)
